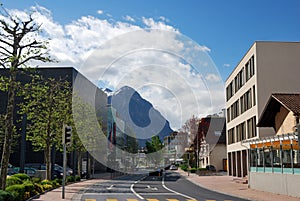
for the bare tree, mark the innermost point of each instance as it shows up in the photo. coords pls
(18, 46)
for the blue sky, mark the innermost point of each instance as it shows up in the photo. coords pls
(227, 28)
(223, 30)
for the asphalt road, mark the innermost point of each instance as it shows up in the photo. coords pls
(170, 187)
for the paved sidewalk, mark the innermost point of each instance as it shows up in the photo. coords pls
(229, 185)
(71, 189)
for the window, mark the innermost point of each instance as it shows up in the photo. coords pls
(239, 80)
(229, 91)
(231, 136)
(241, 132)
(250, 68)
(228, 115)
(254, 96)
(234, 109)
(251, 127)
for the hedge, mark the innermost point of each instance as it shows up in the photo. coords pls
(10, 181)
(21, 176)
(17, 190)
(6, 196)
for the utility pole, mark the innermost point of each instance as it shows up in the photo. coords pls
(66, 139)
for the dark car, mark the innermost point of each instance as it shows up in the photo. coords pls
(211, 168)
(27, 170)
(11, 171)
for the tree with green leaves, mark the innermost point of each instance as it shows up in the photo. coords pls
(48, 106)
(154, 150)
(18, 46)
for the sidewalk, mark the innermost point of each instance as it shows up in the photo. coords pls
(229, 185)
(72, 189)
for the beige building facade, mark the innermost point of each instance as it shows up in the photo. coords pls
(266, 68)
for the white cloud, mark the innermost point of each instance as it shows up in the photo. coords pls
(226, 65)
(100, 12)
(129, 18)
(176, 76)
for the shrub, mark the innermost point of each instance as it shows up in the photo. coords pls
(29, 188)
(6, 196)
(21, 176)
(17, 190)
(47, 186)
(38, 188)
(184, 167)
(10, 181)
(45, 181)
(70, 179)
(59, 181)
(193, 170)
(77, 178)
(36, 180)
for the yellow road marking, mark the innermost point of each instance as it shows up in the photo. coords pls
(191, 200)
(172, 200)
(90, 200)
(111, 199)
(152, 199)
(132, 200)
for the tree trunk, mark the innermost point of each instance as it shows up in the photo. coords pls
(48, 161)
(79, 163)
(9, 126)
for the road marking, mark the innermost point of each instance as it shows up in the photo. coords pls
(109, 188)
(111, 199)
(168, 189)
(191, 200)
(153, 189)
(152, 199)
(132, 200)
(172, 200)
(133, 191)
(90, 200)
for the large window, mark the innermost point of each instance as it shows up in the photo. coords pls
(229, 91)
(231, 138)
(250, 68)
(241, 132)
(239, 80)
(251, 127)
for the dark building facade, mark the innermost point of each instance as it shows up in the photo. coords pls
(69, 74)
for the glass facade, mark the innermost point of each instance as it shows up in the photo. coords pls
(282, 156)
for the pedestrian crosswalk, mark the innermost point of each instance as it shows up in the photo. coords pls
(149, 200)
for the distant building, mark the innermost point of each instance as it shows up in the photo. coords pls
(266, 68)
(211, 142)
(175, 145)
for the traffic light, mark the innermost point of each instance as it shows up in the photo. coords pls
(68, 135)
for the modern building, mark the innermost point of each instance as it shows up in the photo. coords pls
(275, 160)
(69, 74)
(266, 68)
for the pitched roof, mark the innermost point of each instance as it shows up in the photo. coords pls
(290, 101)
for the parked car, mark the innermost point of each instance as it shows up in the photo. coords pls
(211, 168)
(11, 171)
(173, 167)
(27, 170)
